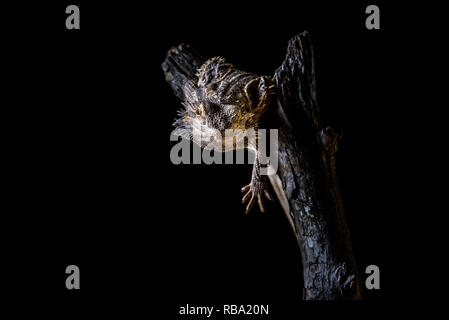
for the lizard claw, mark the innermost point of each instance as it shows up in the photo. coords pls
(255, 191)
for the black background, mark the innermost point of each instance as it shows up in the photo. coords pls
(94, 185)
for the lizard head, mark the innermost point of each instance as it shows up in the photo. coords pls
(220, 98)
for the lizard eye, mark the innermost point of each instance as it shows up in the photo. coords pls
(213, 107)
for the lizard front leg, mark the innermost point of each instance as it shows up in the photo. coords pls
(257, 188)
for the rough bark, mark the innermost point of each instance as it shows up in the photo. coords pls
(306, 182)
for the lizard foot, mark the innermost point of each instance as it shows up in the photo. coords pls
(255, 190)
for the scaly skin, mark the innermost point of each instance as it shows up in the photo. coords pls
(256, 189)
